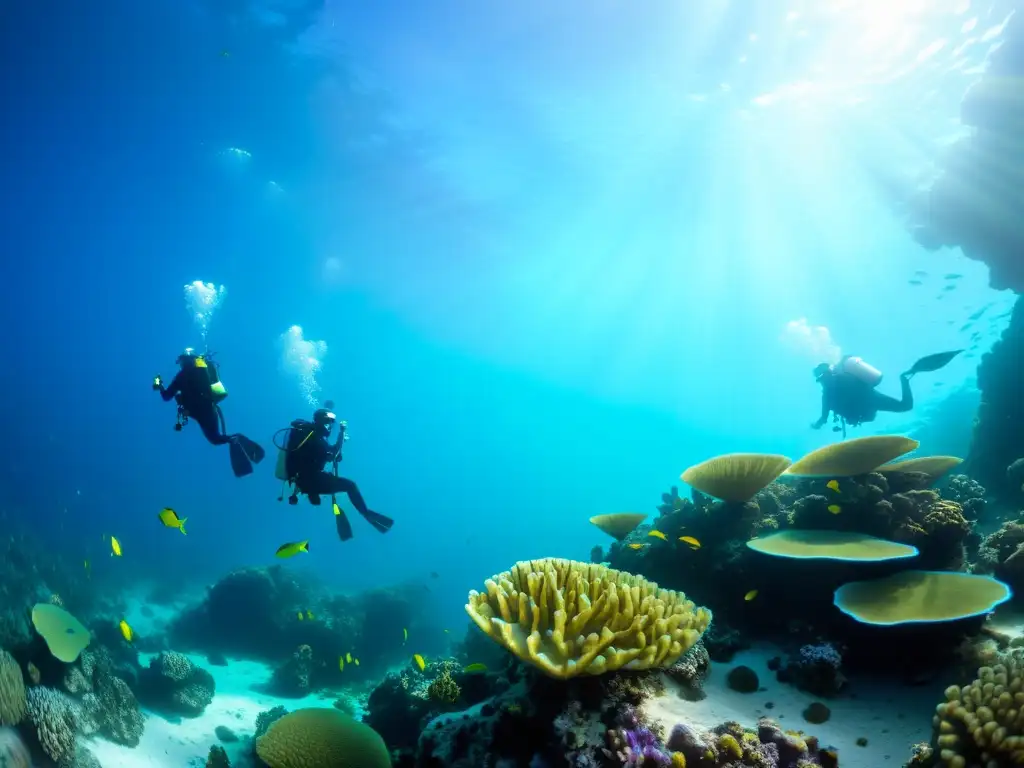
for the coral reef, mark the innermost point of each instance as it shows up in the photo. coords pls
(12, 690)
(1002, 554)
(54, 719)
(292, 677)
(568, 618)
(174, 684)
(106, 703)
(980, 723)
(815, 668)
(321, 738)
(267, 613)
(217, 758)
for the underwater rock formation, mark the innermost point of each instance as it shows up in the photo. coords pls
(266, 613)
(106, 703)
(53, 720)
(975, 202)
(292, 677)
(998, 439)
(173, 684)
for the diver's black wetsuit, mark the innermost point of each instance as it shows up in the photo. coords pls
(188, 388)
(310, 478)
(856, 402)
(308, 452)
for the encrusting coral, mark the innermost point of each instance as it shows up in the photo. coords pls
(569, 618)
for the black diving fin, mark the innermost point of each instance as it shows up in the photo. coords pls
(381, 522)
(933, 362)
(253, 450)
(240, 463)
(341, 523)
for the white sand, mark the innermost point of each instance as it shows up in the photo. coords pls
(890, 715)
(181, 743)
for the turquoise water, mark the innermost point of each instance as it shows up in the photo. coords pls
(552, 254)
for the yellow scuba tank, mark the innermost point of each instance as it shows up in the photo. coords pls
(217, 389)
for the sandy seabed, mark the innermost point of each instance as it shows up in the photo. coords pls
(891, 716)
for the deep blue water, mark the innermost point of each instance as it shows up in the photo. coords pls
(552, 254)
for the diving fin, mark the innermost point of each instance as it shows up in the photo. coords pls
(380, 522)
(253, 450)
(342, 524)
(932, 362)
(240, 463)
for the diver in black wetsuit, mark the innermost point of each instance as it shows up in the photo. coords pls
(302, 463)
(198, 391)
(848, 390)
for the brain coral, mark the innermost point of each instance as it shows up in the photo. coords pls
(12, 690)
(569, 618)
(321, 738)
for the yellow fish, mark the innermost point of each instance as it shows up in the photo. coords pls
(348, 657)
(420, 663)
(87, 565)
(658, 535)
(171, 520)
(337, 509)
(691, 541)
(833, 485)
(356, 662)
(115, 547)
(474, 668)
(341, 663)
(126, 631)
(309, 614)
(300, 616)
(750, 595)
(835, 509)
(293, 548)
(637, 546)
(405, 634)
(446, 631)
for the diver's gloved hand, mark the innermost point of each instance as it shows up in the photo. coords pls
(157, 383)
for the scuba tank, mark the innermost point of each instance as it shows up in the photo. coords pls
(299, 432)
(217, 391)
(860, 370)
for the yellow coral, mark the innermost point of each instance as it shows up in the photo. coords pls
(728, 744)
(321, 738)
(678, 760)
(983, 723)
(569, 618)
(444, 688)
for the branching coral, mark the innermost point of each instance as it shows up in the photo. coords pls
(444, 689)
(569, 618)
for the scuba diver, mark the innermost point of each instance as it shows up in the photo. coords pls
(848, 390)
(198, 391)
(301, 461)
